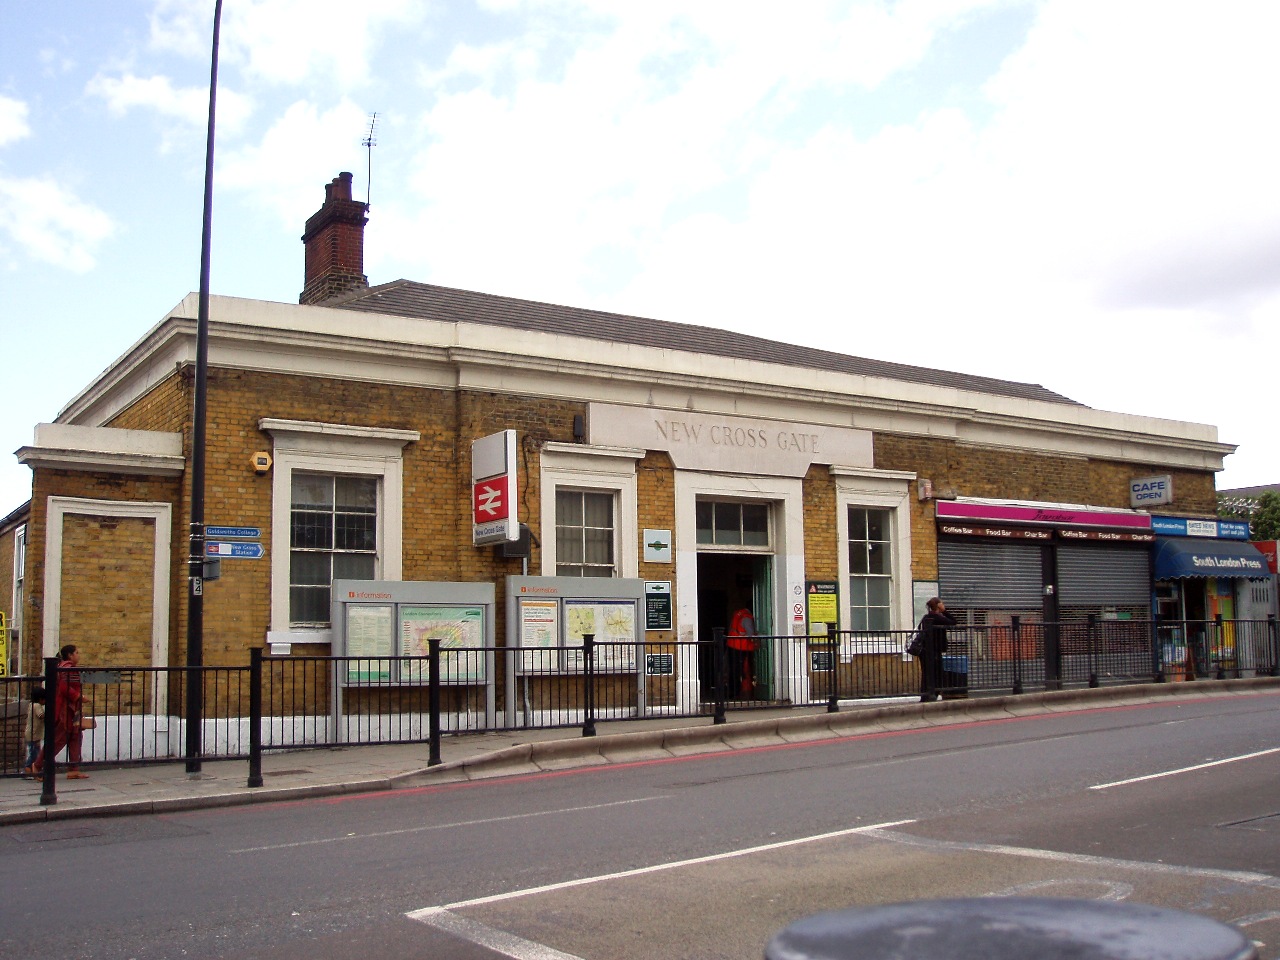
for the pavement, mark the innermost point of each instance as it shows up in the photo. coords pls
(331, 771)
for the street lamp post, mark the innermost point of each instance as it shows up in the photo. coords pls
(195, 558)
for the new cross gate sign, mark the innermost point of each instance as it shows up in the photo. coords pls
(250, 551)
(493, 489)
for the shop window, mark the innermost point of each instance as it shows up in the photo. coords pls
(730, 524)
(585, 534)
(870, 569)
(333, 535)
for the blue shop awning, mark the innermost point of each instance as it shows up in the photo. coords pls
(1179, 557)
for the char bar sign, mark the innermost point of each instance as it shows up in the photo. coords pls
(1110, 536)
(1049, 514)
(1003, 533)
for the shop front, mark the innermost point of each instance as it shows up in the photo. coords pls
(1028, 582)
(1213, 593)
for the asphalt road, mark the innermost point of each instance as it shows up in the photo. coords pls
(1172, 804)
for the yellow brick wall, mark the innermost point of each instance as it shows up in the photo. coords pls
(437, 487)
(107, 567)
(980, 472)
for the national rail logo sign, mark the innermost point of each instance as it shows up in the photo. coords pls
(493, 489)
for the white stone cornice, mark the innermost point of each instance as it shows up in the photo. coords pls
(61, 446)
(331, 343)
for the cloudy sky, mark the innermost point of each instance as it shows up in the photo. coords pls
(1078, 193)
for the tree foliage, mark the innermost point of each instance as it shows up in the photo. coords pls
(1265, 522)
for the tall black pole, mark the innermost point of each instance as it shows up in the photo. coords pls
(195, 559)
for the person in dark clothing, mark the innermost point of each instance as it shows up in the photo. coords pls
(933, 634)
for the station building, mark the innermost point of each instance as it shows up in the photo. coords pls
(736, 469)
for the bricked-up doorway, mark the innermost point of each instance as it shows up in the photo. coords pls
(727, 582)
(107, 586)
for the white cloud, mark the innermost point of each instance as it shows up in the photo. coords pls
(285, 41)
(13, 121)
(301, 152)
(189, 105)
(48, 222)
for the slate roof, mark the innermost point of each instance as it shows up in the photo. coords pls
(406, 298)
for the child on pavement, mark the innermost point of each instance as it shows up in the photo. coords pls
(33, 729)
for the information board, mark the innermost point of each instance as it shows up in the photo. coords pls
(612, 622)
(460, 631)
(539, 625)
(657, 605)
(823, 605)
(370, 638)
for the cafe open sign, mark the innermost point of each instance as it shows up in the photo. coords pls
(1150, 491)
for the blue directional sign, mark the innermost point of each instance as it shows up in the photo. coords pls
(249, 551)
(232, 533)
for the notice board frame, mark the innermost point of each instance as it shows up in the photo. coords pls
(384, 609)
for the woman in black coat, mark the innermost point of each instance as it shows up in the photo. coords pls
(933, 634)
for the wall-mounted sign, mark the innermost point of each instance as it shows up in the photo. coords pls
(657, 604)
(823, 601)
(657, 546)
(1000, 533)
(1199, 527)
(1054, 514)
(1110, 536)
(1149, 491)
(493, 489)
(659, 664)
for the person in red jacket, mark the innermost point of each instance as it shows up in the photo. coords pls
(741, 640)
(68, 707)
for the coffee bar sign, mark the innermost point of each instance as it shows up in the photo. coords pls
(700, 441)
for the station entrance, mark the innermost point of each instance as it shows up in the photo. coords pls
(728, 582)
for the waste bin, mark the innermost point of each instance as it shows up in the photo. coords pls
(955, 676)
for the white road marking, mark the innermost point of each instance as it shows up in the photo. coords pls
(499, 941)
(426, 912)
(444, 826)
(1171, 773)
(1240, 876)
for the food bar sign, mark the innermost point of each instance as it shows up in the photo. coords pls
(493, 489)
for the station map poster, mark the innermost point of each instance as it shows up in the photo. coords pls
(460, 631)
(613, 622)
(539, 636)
(371, 640)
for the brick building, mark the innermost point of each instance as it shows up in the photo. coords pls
(737, 469)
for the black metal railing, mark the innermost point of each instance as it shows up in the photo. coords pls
(294, 702)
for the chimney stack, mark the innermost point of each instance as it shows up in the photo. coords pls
(334, 241)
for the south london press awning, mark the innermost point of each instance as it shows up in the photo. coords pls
(1179, 557)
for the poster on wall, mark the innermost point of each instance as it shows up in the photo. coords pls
(371, 640)
(460, 631)
(613, 622)
(539, 636)
(822, 605)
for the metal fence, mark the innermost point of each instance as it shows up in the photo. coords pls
(284, 703)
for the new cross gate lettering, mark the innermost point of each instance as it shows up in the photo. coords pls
(733, 435)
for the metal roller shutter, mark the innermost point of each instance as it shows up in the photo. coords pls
(997, 576)
(1092, 575)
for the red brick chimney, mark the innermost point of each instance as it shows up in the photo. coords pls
(334, 239)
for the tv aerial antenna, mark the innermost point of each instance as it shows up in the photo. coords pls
(369, 143)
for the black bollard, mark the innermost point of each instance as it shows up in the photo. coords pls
(1010, 928)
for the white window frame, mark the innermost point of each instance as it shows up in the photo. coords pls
(18, 596)
(878, 490)
(594, 469)
(331, 449)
